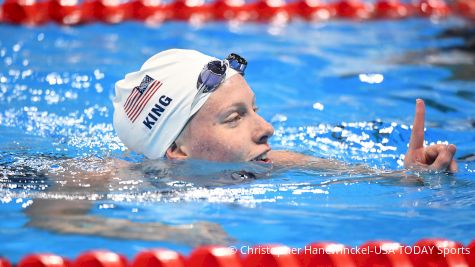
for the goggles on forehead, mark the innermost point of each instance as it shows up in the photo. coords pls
(214, 73)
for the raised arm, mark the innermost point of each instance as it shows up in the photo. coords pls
(435, 157)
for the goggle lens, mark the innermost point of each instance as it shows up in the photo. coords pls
(237, 62)
(214, 72)
(211, 76)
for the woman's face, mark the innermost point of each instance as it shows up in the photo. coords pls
(227, 127)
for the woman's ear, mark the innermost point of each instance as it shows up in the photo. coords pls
(176, 152)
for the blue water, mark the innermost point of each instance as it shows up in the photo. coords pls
(343, 90)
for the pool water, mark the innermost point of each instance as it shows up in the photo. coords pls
(343, 90)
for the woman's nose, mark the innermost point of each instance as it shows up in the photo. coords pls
(264, 130)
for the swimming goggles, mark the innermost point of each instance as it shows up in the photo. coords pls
(214, 73)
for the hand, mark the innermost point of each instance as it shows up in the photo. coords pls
(435, 157)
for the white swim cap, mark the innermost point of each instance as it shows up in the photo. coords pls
(153, 105)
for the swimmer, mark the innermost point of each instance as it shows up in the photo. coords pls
(183, 104)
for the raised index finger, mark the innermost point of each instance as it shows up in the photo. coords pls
(417, 134)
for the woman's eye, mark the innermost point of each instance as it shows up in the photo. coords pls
(234, 118)
(256, 109)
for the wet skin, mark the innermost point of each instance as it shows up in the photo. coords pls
(226, 128)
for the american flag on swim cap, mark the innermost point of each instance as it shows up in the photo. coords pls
(138, 99)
